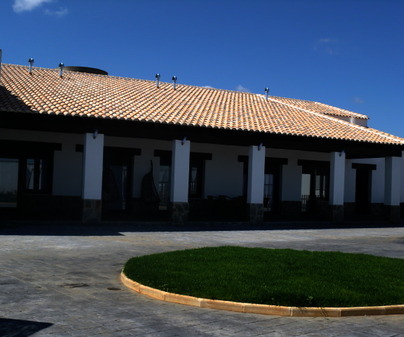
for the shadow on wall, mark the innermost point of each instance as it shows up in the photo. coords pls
(21, 328)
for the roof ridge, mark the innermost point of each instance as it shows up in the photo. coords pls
(327, 105)
(134, 79)
(344, 110)
(363, 128)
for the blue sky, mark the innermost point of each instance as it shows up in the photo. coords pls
(346, 53)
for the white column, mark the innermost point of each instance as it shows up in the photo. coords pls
(337, 178)
(92, 177)
(92, 166)
(402, 178)
(392, 181)
(256, 173)
(180, 171)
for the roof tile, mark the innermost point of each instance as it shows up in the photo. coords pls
(91, 95)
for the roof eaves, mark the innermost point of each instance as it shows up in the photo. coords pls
(365, 129)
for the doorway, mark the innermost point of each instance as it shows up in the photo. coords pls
(117, 181)
(314, 193)
(363, 187)
(363, 190)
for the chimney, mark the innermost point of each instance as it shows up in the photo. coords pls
(157, 80)
(61, 66)
(174, 78)
(30, 62)
(266, 92)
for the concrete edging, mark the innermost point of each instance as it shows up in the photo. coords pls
(260, 308)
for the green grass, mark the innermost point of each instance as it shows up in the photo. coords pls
(274, 276)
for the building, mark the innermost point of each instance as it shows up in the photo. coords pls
(76, 143)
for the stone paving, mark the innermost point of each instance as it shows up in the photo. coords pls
(61, 279)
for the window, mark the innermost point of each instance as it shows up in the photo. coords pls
(305, 191)
(8, 182)
(164, 186)
(164, 182)
(268, 192)
(196, 173)
(25, 168)
(36, 174)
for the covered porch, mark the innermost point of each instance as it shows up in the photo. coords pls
(95, 170)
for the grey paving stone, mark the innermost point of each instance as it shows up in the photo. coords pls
(63, 279)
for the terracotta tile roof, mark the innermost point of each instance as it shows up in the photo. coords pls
(100, 96)
(320, 107)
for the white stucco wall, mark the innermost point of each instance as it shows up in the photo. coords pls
(353, 120)
(141, 163)
(292, 172)
(67, 170)
(224, 173)
(378, 178)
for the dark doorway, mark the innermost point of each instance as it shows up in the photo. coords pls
(363, 191)
(272, 184)
(363, 187)
(315, 188)
(117, 181)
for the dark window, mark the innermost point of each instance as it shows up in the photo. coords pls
(244, 160)
(26, 168)
(196, 178)
(197, 174)
(268, 192)
(8, 182)
(164, 185)
(37, 178)
(164, 182)
(273, 183)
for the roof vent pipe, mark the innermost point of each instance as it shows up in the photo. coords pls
(174, 78)
(266, 92)
(30, 62)
(157, 80)
(61, 66)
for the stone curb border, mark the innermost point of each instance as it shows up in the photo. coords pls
(260, 308)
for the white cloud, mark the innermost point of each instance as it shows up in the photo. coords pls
(358, 100)
(59, 13)
(27, 5)
(325, 40)
(326, 45)
(242, 89)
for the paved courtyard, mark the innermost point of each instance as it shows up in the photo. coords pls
(63, 280)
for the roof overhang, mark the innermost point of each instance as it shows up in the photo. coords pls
(137, 129)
